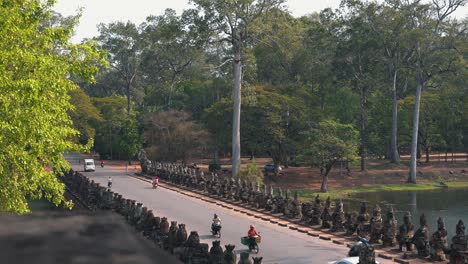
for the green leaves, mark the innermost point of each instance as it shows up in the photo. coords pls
(330, 142)
(37, 63)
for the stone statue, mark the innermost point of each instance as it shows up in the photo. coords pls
(326, 218)
(230, 256)
(338, 218)
(244, 258)
(317, 208)
(296, 207)
(421, 238)
(144, 162)
(406, 232)
(439, 242)
(287, 203)
(366, 254)
(216, 253)
(181, 236)
(362, 227)
(376, 225)
(257, 260)
(171, 242)
(389, 229)
(279, 202)
(193, 240)
(164, 226)
(459, 245)
(351, 223)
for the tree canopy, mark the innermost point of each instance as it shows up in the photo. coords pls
(37, 62)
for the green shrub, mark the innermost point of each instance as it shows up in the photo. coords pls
(214, 166)
(251, 173)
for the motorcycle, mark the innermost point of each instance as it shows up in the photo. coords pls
(155, 185)
(216, 230)
(109, 185)
(356, 247)
(252, 243)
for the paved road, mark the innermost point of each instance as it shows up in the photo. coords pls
(279, 245)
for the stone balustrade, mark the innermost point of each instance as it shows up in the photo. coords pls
(377, 229)
(169, 236)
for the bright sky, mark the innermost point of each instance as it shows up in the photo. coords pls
(106, 11)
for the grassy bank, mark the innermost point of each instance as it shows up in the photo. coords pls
(347, 192)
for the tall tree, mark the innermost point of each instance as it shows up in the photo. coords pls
(233, 20)
(172, 46)
(37, 62)
(359, 47)
(393, 25)
(122, 43)
(435, 53)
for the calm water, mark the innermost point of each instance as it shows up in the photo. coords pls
(451, 205)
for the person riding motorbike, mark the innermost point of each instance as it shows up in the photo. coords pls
(102, 164)
(216, 225)
(109, 182)
(252, 235)
(155, 181)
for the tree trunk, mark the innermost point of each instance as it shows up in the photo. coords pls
(427, 154)
(129, 88)
(414, 139)
(236, 162)
(394, 156)
(363, 146)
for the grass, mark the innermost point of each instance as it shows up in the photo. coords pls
(347, 192)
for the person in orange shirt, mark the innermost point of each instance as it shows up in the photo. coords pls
(252, 234)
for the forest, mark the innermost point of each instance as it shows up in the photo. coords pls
(372, 79)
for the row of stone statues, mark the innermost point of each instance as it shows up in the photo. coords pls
(169, 236)
(373, 227)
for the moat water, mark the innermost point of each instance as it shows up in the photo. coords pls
(451, 205)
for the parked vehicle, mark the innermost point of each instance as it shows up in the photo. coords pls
(350, 260)
(89, 165)
(270, 168)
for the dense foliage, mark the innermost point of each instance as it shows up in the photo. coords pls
(364, 65)
(37, 63)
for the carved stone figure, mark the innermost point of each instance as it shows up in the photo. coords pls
(366, 254)
(351, 223)
(459, 247)
(439, 242)
(244, 258)
(181, 237)
(326, 218)
(363, 227)
(421, 238)
(216, 253)
(389, 229)
(405, 233)
(296, 207)
(317, 208)
(171, 241)
(164, 226)
(257, 260)
(376, 225)
(338, 218)
(230, 256)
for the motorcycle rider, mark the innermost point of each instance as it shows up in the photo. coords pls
(216, 222)
(252, 234)
(155, 181)
(109, 182)
(102, 164)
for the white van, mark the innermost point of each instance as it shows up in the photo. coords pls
(89, 165)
